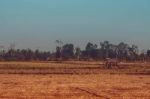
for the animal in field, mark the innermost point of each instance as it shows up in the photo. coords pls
(111, 62)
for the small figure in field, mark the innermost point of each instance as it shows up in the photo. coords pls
(111, 62)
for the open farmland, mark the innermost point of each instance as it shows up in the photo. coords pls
(73, 80)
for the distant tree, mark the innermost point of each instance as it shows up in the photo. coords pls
(68, 51)
(123, 50)
(58, 49)
(59, 43)
(77, 53)
(135, 49)
(91, 50)
(105, 47)
(148, 53)
(58, 52)
(133, 53)
(90, 46)
(113, 51)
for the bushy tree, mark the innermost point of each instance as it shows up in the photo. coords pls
(68, 51)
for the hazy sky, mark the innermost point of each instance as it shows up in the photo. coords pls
(38, 23)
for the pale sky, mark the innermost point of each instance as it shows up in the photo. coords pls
(38, 23)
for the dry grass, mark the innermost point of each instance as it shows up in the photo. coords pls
(19, 80)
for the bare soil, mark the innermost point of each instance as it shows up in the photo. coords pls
(73, 80)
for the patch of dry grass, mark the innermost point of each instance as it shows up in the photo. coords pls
(92, 86)
(76, 80)
(70, 67)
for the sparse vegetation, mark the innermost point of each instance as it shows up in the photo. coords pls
(73, 73)
(74, 80)
(122, 51)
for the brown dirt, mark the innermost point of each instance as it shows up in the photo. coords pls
(74, 82)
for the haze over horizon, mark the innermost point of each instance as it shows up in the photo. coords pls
(38, 23)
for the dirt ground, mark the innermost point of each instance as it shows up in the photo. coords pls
(75, 85)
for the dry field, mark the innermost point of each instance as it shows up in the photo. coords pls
(73, 80)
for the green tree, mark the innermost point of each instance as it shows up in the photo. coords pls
(68, 51)
(91, 50)
(105, 47)
(123, 50)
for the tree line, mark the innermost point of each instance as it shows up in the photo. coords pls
(122, 51)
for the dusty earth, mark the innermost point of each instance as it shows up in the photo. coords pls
(94, 83)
